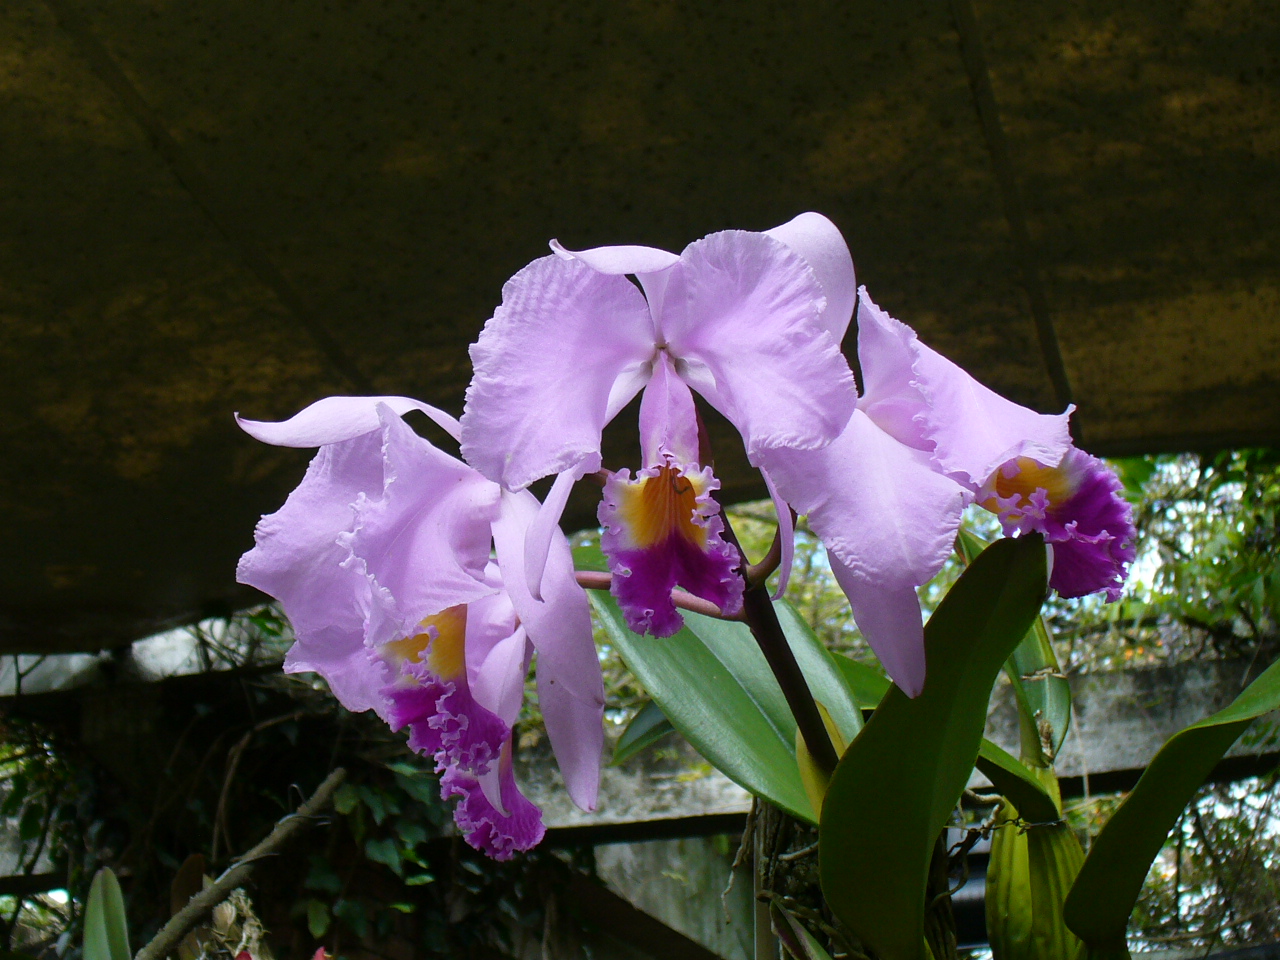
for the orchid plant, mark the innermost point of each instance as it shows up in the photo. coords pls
(422, 586)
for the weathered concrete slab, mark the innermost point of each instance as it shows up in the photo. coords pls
(1121, 719)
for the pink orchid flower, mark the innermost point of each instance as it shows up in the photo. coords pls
(925, 440)
(750, 321)
(382, 560)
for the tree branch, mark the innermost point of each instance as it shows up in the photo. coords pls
(186, 919)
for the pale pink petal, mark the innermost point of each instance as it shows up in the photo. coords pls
(619, 260)
(353, 672)
(545, 368)
(299, 561)
(786, 535)
(545, 527)
(497, 655)
(888, 614)
(747, 309)
(335, 419)
(973, 430)
(570, 685)
(425, 543)
(819, 242)
(887, 351)
(888, 520)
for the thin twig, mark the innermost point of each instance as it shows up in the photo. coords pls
(186, 919)
(233, 763)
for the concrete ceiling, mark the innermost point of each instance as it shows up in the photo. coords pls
(238, 205)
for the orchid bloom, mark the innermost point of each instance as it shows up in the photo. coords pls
(382, 560)
(750, 321)
(925, 440)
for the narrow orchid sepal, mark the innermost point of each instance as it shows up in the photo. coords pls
(335, 419)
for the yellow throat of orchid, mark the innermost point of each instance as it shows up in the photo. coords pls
(440, 645)
(1023, 477)
(655, 508)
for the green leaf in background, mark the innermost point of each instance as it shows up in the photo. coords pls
(800, 943)
(106, 931)
(1107, 888)
(1133, 473)
(646, 728)
(899, 781)
(1042, 692)
(317, 918)
(714, 685)
(867, 683)
(1011, 778)
(1016, 784)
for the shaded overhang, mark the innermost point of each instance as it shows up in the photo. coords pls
(211, 207)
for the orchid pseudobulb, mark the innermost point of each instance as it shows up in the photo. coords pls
(383, 559)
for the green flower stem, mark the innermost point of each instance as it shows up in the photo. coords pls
(759, 615)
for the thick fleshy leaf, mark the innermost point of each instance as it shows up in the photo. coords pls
(747, 309)
(713, 683)
(819, 243)
(867, 684)
(1011, 777)
(911, 762)
(827, 681)
(888, 520)
(545, 368)
(570, 685)
(106, 930)
(1107, 887)
(646, 728)
(335, 419)
(723, 700)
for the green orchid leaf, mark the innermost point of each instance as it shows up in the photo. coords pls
(1017, 784)
(714, 685)
(828, 682)
(106, 930)
(1042, 692)
(899, 781)
(721, 697)
(866, 682)
(1107, 888)
(800, 943)
(646, 728)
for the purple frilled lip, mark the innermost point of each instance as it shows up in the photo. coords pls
(1079, 507)
(382, 560)
(662, 528)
